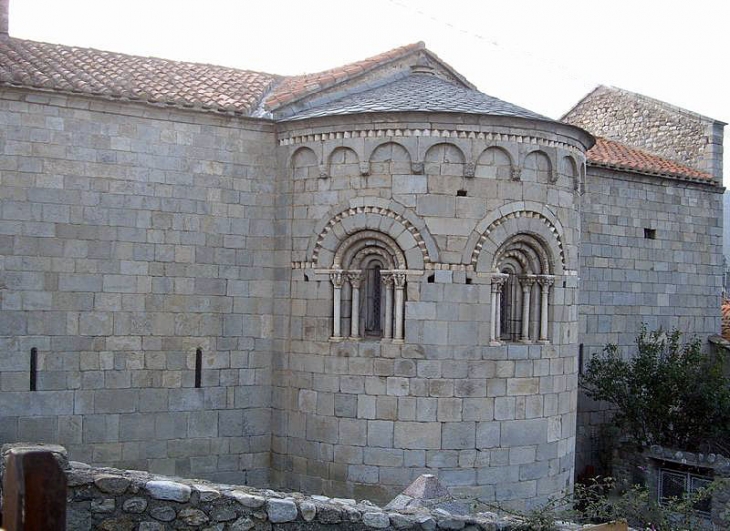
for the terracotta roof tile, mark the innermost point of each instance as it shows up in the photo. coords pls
(296, 87)
(611, 154)
(149, 79)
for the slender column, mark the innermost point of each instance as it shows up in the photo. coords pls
(355, 279)
(337, 278)
(495, 328)
(545, 283)
(527, 282)
(399, 280)
(387, 280)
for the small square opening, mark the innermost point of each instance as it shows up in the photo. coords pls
(461, 193)
(650, 234)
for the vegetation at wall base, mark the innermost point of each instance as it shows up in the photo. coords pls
(669, 393)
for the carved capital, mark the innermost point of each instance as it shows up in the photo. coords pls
(516, 173)
(469, 169)
(545, 281)
(364, 168)
(498, 280)
(337, 279)
(355, 279)
(399, 279)
(386, 279)
(417, 168)
(527, 281)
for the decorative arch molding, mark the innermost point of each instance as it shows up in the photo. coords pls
(371, 213)
(519, 218)
(528, 250)
(366, 242)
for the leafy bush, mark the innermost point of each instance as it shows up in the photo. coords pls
(670, 393)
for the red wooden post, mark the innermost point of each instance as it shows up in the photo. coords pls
(34, 492)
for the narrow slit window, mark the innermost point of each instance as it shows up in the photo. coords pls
(431, 279)
(33, 384)
(198, 367)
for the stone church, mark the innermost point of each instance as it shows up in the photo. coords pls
(334, 282)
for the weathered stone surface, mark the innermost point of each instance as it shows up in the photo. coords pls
(242, 524)
(163, 513)
(112, 484)
(222, 514)
(168, 490)
(104, 505)
(134, 505)
(279, 510)
(121, 523)
(151, 526)
(376, 519)
(192, 517)
(248, 500)
(206, 492)
(308, 510)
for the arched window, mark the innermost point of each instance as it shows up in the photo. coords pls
(521, 283)
(373, 266)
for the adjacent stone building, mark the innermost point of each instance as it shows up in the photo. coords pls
(331, 283)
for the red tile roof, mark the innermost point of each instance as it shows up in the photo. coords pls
(612, 154)
(148, 79)
(296, 87)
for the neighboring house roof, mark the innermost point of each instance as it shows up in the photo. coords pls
(419, 92)
(614, 155)
(725, 319)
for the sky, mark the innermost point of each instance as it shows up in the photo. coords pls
(542, 55)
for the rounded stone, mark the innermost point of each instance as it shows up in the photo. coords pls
(163, 514)
(248, 500)
(223, 514)
(104, 505)
(376, 520)
(134, 505)
(168, 490)
(111, 484)
(279, 510)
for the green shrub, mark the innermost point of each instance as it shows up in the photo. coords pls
(670, 393)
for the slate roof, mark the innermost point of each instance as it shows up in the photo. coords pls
(611, 154)
(70, 69)
(419, 92)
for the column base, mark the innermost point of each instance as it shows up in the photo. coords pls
(336, 339)
(543, 341)
(495, 343)
(526, 341)
(398, 341)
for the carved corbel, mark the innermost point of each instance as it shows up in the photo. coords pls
(516, 173)
(469, 169)
(365, 168)
(323, 174)
(417, 168)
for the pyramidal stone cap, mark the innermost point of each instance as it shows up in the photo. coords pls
(426, 492)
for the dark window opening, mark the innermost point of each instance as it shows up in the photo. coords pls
(33, 369)
(431, 279)
(198, 367)
(468, 280)
(580, 359)
(461, 193)
(373, 324)
(306, 277)
(650, 234)
(678, 482)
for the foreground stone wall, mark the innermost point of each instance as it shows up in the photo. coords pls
(364, 417)
(130, 238)
(108, 499)
(671, 281)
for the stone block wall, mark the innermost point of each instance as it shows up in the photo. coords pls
(365, 418)
(672, 280)
(130, 238)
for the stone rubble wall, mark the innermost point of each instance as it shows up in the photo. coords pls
(108, 499)
(654, 126)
